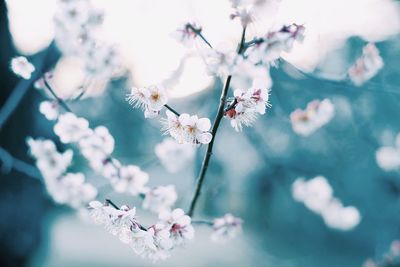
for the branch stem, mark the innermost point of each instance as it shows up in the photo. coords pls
(172, 110)
(217, 121)
(59, 100)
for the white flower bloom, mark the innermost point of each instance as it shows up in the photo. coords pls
(99, 213)
(173, 156)
(220, 61)
(22, 67)
(172, 125)
(388, 158)
(247, 106)
(317, 195)
(70, 128)
(180, 227)
(367, 66)
(270, 47)
(49, 161)
(72, 190)
(131, 179)
(245, 14)
(142, 241)
(161, 241)
(160, 198)
(97, 144)
(195, 130)
(226, 228)
(317, 114)
(246, 75)
(50, 109)
(151, 99)
(186, 34)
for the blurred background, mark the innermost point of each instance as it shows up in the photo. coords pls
(252, 172)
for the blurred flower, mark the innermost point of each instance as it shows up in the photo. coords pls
(187, 33)
(367, 66)
(173, 156)
(220, 61)
(70, 128)
(131, 179)
(50, 109)
(246, 74)
(226, 228)
(388, 158)
(180, 226)
(22, 67)
(317, 195)
(160, 198)
(317, 114)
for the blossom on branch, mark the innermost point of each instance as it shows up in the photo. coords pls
(150, 99)
(174, 156)
(160, 198)
(226, 228)
(187, 33)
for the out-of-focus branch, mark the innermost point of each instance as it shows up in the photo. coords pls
(9, 163)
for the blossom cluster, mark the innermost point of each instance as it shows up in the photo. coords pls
(317, 114)
(391, 258)
(156, 242)
(367, 66)
(317, 195)
(187, 129)
(97, 145)
(388, 157)
(64, 187)
(77, 34)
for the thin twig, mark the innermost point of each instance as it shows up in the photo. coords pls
(112, 203)
(198, 32)
(218, 118)
(172, 110)
(9, 163)
(210, 223)
(59, 100)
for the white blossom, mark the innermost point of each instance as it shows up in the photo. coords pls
(22, 67)
(226, 228)
(180, 226)
(317, 114)
(70, 128)
(388, 157)
(160, 198)
(50, 109)
(246, 106)
(173, 156)
(220, 61)
(151, 99)
(187, 33)
(367, 66)
(188, 129)
(49, 161)
(317, 195)
(98, 144)
(246, 74)
(271, 46)
(131, 179)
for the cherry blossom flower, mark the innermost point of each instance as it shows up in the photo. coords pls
(131, 179)
(160, 198)
(180, 226)
(151, 99)
(317, 195)
(162, 243)
(72, 190)
(388, 157)
(22, 67)
(317, 114)
(220, 61)
(226, 228)
(271, 46)
(70, 128)
(245, 14)
(98, 144)
(173, 156)
(246, 106)
(187, 33)
(188, 129)
(246, 74)
(367, 66)
(50, 109)
(49, 161)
